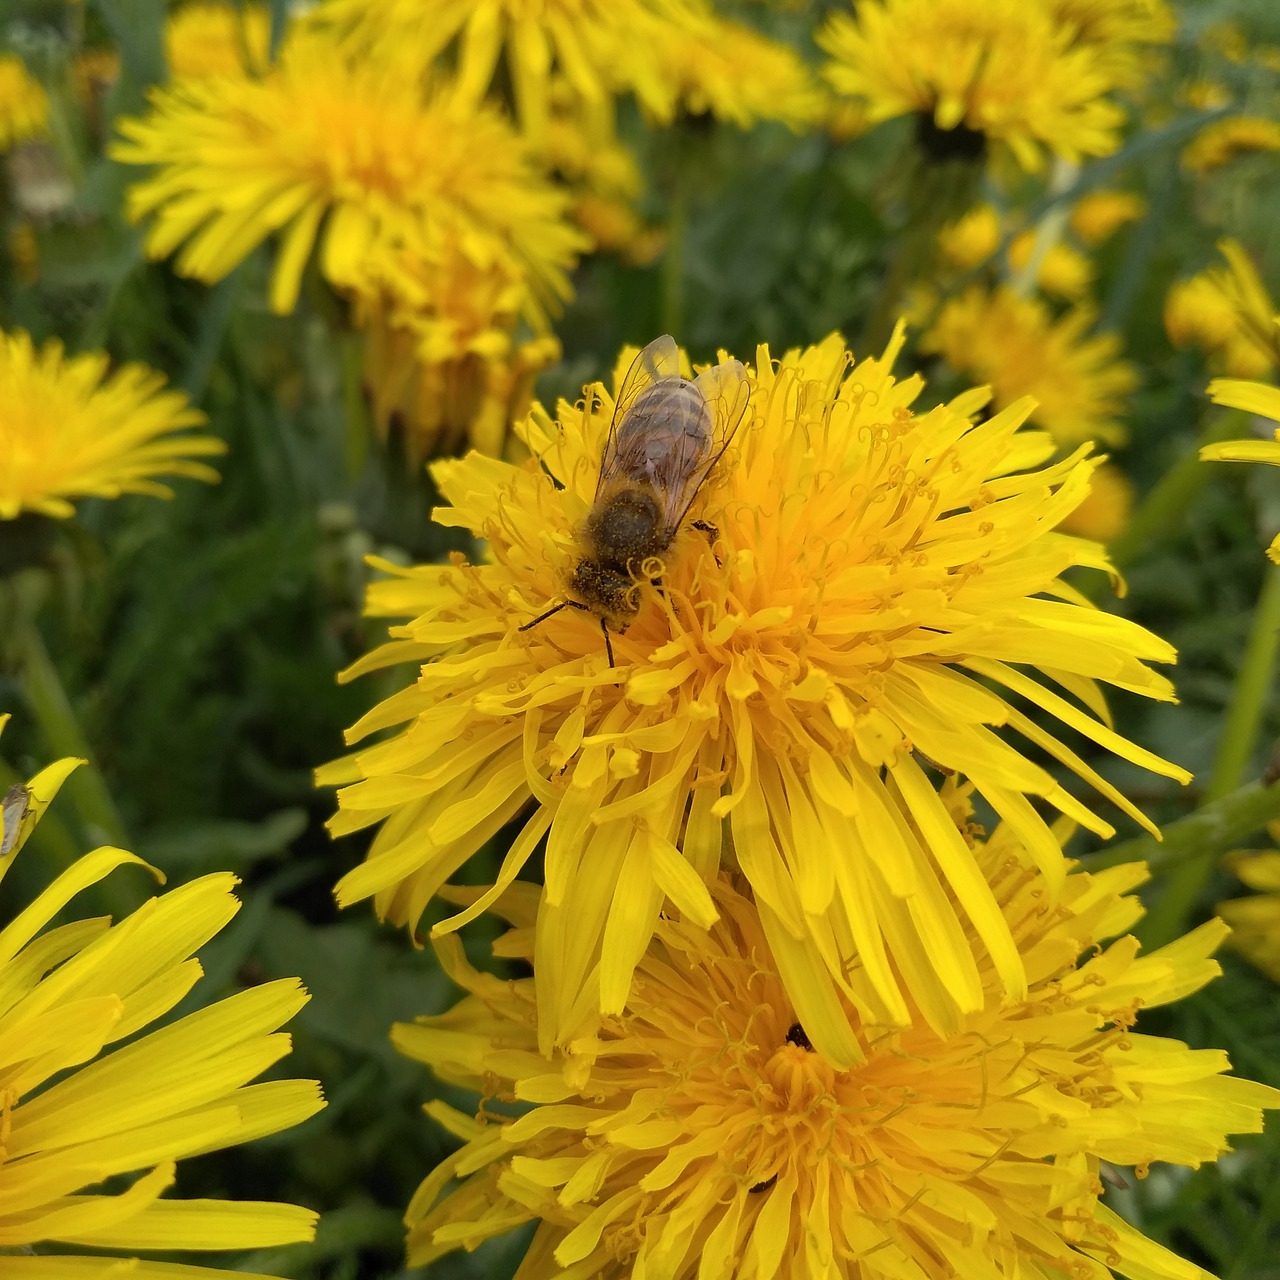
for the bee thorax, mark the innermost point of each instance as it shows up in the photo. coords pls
(626, 528)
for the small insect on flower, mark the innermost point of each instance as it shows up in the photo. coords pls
(667, 435)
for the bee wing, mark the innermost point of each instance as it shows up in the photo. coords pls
(13, 809)
(727, 392)
(657, 362)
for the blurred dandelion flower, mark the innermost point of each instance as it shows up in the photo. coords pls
(1219, 143)
(1124, 35)
(1099, 214)
(1263, 401)
(598, 47)
(1002, 71)
(876, 577)
(1255, 920)
(442, 363)
(70, 992)
(1228, 313)
(701, 1135)
(975, 239)
(727, 70)
(1014, 344)
(349, 142)
(1104, 514)
(210, 39)
(24, 106)
(68, 430)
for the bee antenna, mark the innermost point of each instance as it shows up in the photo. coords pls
(608, 644)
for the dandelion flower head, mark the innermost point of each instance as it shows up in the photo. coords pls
(212, 39)
(703, 1136)
(598, 47)
(975, 239)
(68, 429)
(86, 1099)
(345, 151)
(1099, 214)
(728, 70)
(1014, 344)
(1255, 920)
(1227, 312)
(1003, 71)
(872, 570)
(1264, 402)
(24, 105)
(1221, 141)
(443, 360)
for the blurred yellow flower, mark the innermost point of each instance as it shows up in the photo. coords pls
(1226, 312)
(443, 365)
(1099, 214)
(24, 106)
(1104, 514)
(67, 430)
(353, 144)
(716, 67)
(1123, 34)
(71, 1124)
(598, 47)
(1261, 400)
(1078, 381)
(881, 583)
(700, 1134)
(1255, 920)
(1002, 70)
(1222, 141)
(975, 238)
(212, 39)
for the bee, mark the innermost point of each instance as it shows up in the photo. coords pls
(667, 434)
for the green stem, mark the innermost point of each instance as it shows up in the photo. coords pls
(1185, 886)
(1049, 229)
(1166, 505)
(63, 736)
(1212, 830)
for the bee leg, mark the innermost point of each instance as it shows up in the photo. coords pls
(550, 613)
(608, 644)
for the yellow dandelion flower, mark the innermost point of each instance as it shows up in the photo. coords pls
(78, 1112)
(1104, 514)
(975, 238)
(1014, 344)
(727, 70)
(876, 578)
(1099, 214)
(24, 106)
(972, 238)
(68, 430)
(1219, 143)
(598, 47)
(1255, 920)
(349, 142)
(1064, 272)
(1263, 401)
(1124, 34)
(1228, 313)
(700, 1134)
(442, 362)
(1002, 70)
(211, 39)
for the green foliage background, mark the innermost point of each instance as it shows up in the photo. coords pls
(198, 639)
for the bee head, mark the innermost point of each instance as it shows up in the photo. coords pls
(607, 590)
